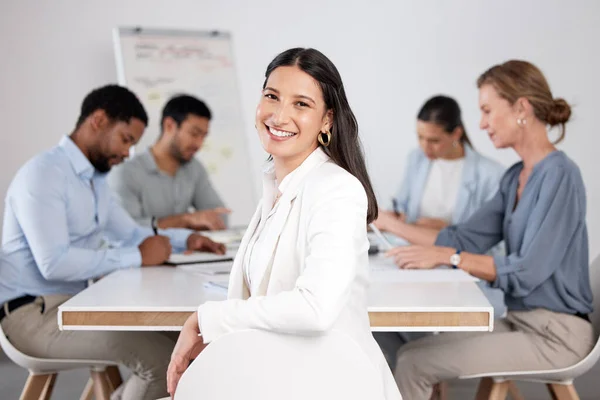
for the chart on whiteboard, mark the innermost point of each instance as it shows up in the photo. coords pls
(158, 64)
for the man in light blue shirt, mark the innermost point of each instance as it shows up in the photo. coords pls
(63, 227)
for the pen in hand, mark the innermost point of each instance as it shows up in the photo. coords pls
(154, 226)
(395, 207)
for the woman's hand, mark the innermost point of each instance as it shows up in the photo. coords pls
(387, 219)
(188, 346)
(420, 257)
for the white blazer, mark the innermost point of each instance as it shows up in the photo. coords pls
(317, 277)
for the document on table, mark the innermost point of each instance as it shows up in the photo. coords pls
(218, 284)
(208, 268)
(383, 269)
(379, 262)
(422, 275)
(395, 241)
(200, 257)
(227, 236)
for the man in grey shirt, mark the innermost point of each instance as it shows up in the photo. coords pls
(166, 181)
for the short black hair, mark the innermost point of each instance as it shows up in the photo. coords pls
(118, 102)
(180, 106)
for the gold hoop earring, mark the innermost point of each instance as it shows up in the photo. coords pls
(323, 142)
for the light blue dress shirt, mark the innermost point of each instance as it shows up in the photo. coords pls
(62, 227)
(480, 180)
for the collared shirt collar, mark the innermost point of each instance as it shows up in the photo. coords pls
(269, 169)
(82, 166)
(147, 159)
(292, 180)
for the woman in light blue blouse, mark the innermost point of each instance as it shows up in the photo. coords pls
(539, 212)
(445, 182)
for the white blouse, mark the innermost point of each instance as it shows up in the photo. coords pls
(256, 261)
(441, 189)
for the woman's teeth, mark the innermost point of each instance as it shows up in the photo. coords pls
(277, 133)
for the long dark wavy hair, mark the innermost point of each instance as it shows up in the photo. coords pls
(345, 148)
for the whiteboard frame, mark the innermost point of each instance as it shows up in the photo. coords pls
(122, 31)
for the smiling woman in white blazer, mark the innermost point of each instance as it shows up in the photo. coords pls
(302, 266)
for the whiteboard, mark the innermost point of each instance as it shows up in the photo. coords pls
(156, 64)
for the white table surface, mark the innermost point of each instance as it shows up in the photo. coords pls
(161, 292)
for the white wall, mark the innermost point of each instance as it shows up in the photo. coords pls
(392, 56)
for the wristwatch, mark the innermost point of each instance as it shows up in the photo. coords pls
(455, 259)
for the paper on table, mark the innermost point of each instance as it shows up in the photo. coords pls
(379, 262)
(217, 287)
(395, 240)
(384, 270)
(219, 284)
(226, 236)
(208, 268)
(392, 239)
(422, 275)
(200, 257)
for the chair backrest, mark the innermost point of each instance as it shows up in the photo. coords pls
(43, 365)
(592, 358)
(263, 365)
(566, 374)
(595, 283)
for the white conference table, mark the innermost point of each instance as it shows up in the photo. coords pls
(161, 299)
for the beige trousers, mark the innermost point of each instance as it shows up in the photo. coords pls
(525, 340)
(146, 354)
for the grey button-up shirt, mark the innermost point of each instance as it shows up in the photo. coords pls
(145, 191)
